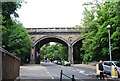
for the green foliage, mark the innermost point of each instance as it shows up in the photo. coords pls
(15, 37)
(43, 51)
(96, 18)
(63, 51)
(19, 42)
(51, 52)
(9, 8)
(57, 51)
(116, 43)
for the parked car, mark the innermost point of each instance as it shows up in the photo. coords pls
(55, 61)
(66, 63)
(107, 66)
(58, 62)
(46, 61)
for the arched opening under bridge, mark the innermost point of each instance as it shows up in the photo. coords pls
(73, 48)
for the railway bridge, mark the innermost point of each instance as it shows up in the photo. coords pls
(68, 36)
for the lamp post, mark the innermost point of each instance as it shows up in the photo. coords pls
(108, 27)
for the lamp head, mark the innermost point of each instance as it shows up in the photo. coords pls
(108, 26)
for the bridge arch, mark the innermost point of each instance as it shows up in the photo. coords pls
(77, 44)
(46, 39)
(76, 41)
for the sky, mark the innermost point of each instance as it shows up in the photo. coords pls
(51, 13)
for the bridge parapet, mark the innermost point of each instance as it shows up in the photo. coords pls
(61, 29)
(9, 66)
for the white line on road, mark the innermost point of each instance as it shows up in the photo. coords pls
(52, 77)
(81, 71)
(50, 74)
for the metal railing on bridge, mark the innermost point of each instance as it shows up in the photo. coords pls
(9, 66)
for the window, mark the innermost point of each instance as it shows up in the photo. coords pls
(117, 64)
(107, 63)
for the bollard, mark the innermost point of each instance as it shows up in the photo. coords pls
(114, 72)
(73, 79)
(61, 75)
(97, 70)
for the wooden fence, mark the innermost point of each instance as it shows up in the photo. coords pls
(9, 66)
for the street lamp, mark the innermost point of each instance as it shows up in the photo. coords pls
(108, 27)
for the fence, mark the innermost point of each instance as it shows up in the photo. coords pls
(9, 66)
(61, 73)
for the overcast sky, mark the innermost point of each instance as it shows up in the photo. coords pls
(51, 13)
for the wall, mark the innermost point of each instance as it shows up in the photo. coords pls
(0, 65)
(10, 66)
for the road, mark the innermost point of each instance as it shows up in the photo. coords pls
(52, 71)
(79, 73)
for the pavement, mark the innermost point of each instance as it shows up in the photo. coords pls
(33, 71)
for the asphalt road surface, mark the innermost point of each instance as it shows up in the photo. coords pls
(79, 73)
(51, 71)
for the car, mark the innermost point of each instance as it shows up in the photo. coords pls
(55, 61)
(66, 63)
(107, 66)
(58, 62)
(46, 61)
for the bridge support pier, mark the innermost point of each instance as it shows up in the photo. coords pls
(70, 53)
(32, 56)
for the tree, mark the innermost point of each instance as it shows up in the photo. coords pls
(43, 51)
(63, 51)
(15, 37)
(96, 18)
(57, 51)
(8, 8)
(19, 42)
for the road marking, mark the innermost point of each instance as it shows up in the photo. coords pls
(50, 74)
(81, 71)
(85, 74)
(53, 78)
